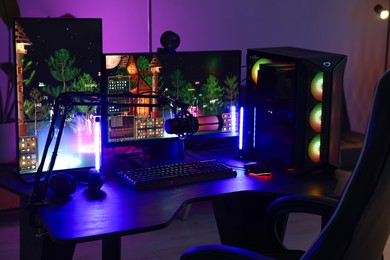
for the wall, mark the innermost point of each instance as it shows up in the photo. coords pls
(349, 27)
(346, 27)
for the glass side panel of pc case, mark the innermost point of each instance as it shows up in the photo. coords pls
(273, 109)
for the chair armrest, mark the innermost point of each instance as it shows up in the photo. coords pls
(221, 252)
(281, 207)
(276, 211)
(302, 203)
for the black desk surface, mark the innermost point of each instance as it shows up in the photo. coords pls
(119, 210)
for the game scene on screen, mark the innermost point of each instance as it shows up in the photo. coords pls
(208, 82)
(55, 56)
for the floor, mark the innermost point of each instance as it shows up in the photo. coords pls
(167, 244)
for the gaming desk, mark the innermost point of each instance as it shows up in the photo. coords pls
(118, 210)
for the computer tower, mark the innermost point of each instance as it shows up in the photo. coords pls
(292, 108)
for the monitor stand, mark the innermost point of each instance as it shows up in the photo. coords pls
(164, 150)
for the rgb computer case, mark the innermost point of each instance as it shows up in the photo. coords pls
(292, 108)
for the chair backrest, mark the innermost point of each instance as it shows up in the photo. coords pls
(360, 225)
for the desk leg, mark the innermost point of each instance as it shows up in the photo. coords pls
(51, 250)
(240, 219)
(111, 248)
(30, 245)
(35, 246)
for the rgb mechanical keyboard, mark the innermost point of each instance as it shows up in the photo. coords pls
(175, 174)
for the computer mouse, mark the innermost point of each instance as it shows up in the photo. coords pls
(257, 168)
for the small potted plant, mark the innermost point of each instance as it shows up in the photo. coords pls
(9, 9)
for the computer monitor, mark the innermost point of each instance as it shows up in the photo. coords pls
(54, 55)
(207, 81)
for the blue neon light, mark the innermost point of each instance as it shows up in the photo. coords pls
(97, 143)
(254, 128)
(241, 130)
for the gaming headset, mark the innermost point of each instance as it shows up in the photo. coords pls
(64, 184)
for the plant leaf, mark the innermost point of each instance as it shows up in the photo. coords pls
(9, 9)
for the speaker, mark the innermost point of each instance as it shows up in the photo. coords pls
(63, 184)
(292, 105)
(95, 180)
